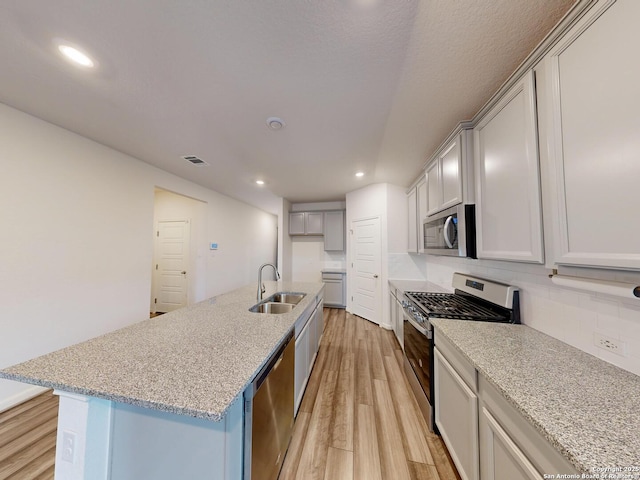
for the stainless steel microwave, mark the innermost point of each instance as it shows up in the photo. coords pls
(451, 232)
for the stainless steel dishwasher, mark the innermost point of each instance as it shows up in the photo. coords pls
(268, 415)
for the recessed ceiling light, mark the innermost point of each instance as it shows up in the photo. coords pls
(360, 174)
(275, 123)
(260, 182)
(76, 56)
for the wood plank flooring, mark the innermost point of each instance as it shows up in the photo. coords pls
(358, 418)
(28, 439)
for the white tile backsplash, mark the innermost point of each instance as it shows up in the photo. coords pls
(407, 266)
(569, 315)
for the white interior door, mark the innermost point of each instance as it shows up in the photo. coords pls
(172, 258)
(366, 268)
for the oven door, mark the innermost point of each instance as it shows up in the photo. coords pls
(418, 351)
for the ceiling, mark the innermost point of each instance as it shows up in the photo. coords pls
(362, 85)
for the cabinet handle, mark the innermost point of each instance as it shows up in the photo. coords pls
(375, 275)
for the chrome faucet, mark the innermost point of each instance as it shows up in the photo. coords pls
(261, 288)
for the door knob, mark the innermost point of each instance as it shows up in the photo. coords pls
(184, 272)
(375, 275)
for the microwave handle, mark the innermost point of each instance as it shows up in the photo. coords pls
(446, 231)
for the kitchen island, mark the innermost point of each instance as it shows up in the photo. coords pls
(162, 398)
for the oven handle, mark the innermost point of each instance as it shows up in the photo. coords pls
(424, 331)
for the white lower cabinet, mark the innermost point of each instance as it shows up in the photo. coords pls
(307, 344)
(302, 365)
(486, 436)
(395, 314)
(457, 417)
(501, 459)
(335, 289)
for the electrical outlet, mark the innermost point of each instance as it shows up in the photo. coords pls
(610, 344)
(68, 446)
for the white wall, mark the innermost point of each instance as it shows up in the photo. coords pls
(568, 315)
(310, 258)
(76, 241)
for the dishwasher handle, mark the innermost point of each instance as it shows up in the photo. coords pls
(271, 365)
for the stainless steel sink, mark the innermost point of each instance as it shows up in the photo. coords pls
(284, 297)
(272, 307)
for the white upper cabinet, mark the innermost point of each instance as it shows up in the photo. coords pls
(417, 209)
(412, 220)
(334, 231)
(508, 211)
(591, 80)
(445, 175)
(421, 200)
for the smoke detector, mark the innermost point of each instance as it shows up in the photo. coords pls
(195, 161)
(275, 123)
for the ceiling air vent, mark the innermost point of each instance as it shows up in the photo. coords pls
(195, 160)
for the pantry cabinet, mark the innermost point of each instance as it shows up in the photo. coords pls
(590, 81)
(508, 211)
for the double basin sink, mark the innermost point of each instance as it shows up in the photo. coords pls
(281, 302)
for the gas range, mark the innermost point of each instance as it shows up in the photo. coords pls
(474, 299)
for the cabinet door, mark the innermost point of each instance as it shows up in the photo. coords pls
(334, 231)
(509, 219)
(314, 225)
(302, 364)
(434, 193)
(393, 313)
(412, 246)
(457, 417)
(500, 457)
(296, 223)
(333, 292)
(422, 192)
(450, 174)
(595, 103)
(400, 323)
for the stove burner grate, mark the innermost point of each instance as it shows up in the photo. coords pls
(455, 306)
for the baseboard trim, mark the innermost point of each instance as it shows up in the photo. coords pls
(21, 397)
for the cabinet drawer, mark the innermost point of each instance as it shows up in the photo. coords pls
(457, 361)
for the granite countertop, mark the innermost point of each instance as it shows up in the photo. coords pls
(588, 409)
(415, 286)
(194, 361)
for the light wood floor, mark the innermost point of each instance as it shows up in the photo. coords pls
(28, 439)
(358, 418)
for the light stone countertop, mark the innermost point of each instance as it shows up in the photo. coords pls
(588, 409)
(334, 270)
(194, 361)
